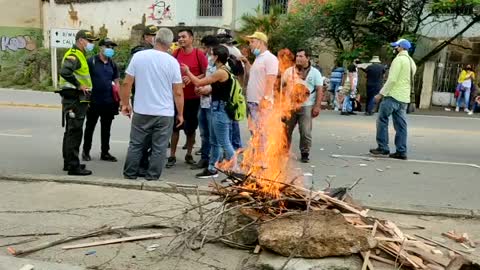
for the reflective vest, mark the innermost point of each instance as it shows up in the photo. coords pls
(82, 74)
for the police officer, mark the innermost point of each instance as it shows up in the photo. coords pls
(75, 84)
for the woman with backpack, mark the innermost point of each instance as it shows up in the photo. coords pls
(221, 84)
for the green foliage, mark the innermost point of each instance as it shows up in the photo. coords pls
(32, 70)
(453, 6)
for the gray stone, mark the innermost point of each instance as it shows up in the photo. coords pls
(235, 220)
(316, 235)
(12, 263)
(268, 260)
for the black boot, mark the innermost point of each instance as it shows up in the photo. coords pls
(305, 158)
(79, 172)
(108, 157)
(86, 156)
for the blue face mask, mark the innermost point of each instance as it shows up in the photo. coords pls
(90, 47)
(256, 52)
(109, 52)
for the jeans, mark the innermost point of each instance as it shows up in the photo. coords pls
(219, 134)
(372, 91)
(398, 110)
(204, 125)
(334, 90)
(347, 104)
(106, 115)
(302, 117)
(235, 137)
(464, 95)
(146, 129)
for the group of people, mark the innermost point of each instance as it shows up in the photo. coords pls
(465, 89)
(167, 91)
(344, 85)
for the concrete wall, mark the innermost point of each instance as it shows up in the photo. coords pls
(20, 29)
(119, 16)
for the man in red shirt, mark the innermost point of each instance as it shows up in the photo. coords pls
(197, 63)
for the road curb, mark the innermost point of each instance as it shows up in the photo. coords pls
(29, 105)
(165, 187)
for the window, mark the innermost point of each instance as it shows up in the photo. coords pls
(210, 8)
(267, 4)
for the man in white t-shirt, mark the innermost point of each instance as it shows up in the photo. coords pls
(158, 86)
(263, 74)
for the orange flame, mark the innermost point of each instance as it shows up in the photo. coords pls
(266, 156)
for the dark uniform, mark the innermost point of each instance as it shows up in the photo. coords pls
(74, 74)
(150, 30)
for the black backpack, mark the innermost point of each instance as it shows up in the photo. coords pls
(236, 66)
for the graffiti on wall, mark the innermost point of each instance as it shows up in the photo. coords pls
(161, 11)
(17, 43)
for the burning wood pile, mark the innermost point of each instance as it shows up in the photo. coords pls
(374, 239)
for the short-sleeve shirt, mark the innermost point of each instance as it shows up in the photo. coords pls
(375, 75)
(337, 75)
(197, 63)
(312, 81)
(265, 64)
(155, 73)
(102, 74)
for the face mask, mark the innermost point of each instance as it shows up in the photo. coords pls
(256, 52)
(109, 52)
(90, 47)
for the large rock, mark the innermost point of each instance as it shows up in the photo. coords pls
(235, 220)
(316, 235)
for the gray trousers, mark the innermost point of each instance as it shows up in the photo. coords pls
(157, 129)
(302, 117)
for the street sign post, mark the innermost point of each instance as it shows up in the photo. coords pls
(60, 38)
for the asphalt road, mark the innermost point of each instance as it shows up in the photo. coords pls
(441, 170)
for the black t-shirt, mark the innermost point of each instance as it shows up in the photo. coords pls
(375, 74)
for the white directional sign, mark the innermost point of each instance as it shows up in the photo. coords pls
(62, 38)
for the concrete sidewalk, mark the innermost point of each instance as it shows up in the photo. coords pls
(12, 263)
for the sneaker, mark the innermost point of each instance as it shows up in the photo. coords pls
(457, 109)
(397, 155)
(171, 162)
(352, 113)
(379, 152)
(467, 110)
(189, 160)
(198, 152)
(66, 167)
(470, 113)
(344, 113)
(86, 156)
(305, 158)
(108, 157)
(206, 173)
(80, 172)
(336, 109)
(184, 147)
(201, 164)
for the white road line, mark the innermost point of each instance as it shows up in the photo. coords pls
(15, 135)
(411, 160)
(119, 141)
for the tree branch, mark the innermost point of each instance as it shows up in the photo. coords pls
(445, 43)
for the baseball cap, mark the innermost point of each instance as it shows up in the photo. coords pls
(260, 36)
(107, 42)
(85, 34)
(402, 43)
(150, 30)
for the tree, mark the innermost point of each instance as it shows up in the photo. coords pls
(362, 27)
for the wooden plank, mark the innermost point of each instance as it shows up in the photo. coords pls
(115, 241)
(457, 263)
(366, 260)
(435, 267)
(381, 259)
(440, 244)
(428, 256)
(257, 249)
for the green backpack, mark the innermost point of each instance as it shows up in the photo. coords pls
(236, 107)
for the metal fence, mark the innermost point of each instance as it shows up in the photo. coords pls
(446, 76)
(210, 8)
(267, 4)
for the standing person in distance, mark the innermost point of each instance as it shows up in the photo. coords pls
(158, 85)
(104, 101)
(76, 84)
(395, 96)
